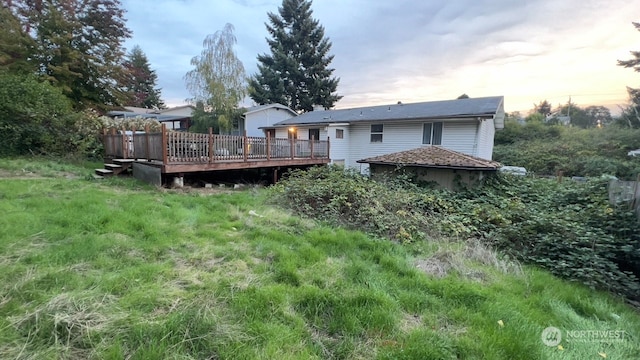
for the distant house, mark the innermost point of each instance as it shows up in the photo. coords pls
(463, 125)
(435, 164)
(257, 118)
(175, 118)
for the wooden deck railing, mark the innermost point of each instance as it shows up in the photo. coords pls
(171, 147)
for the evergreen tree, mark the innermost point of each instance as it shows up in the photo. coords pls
(78, 47)
(631, 115)
(140, 81)
(16, 47)
(296, 73)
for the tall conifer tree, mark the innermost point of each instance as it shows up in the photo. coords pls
(140, 81)
(297, 72)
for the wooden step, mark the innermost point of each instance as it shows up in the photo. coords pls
(97, 177)
(112, 166)
(123, 161)
(104, 172)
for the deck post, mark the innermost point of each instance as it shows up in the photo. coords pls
(328, 147)
(104, 142)
(245, 146)
(165, 144)
(268, 148)
(292, 147)
(147, 151)
(275, 175)
(312, 139)
(210, 145)
(124, 143)
(133, 141)
(113, 142)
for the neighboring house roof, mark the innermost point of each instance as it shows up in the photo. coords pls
(140, 110)
(485, 107)
(162, 111)
(269, 106)
(434, 157)
(132, 115)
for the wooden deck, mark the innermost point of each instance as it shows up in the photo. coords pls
(180, 152)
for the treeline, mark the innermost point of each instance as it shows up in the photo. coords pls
(547, 149)
(62, 64)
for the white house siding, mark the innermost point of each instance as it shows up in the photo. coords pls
(485, 139)
(339, 148)
(263, 118)
(458, 136)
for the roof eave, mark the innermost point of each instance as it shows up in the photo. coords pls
(429, 166)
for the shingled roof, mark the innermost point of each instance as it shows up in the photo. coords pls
(446, 109)
(434, 157)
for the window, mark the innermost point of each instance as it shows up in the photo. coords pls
(271, 133)
(376, 132)
(314, 134)
(339, 134)
(432, 133)
(292, 133)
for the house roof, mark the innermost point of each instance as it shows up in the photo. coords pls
(446, 109)
(132, 115)
(269, 106)
(162, 111)
(434, 157)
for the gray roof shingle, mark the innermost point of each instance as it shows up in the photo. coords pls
(459, 108)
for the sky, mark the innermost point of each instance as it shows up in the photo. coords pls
(419, 50)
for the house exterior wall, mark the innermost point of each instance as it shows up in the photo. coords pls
(401, 136)
(444, 178)
(486, 132)
(263, 118)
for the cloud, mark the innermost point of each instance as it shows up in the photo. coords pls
(418, 50)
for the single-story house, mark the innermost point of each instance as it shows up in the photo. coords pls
(432, 164)
(175, 118)
(264, 116)
(463, 125)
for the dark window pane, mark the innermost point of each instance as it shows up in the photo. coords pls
(314, 134)
(339, 134)
(376, 137)
(426, 133)
(376, 128)
(437, 133)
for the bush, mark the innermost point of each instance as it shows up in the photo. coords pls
(568, 228)
(33, 115)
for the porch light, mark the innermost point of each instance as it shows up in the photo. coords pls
(292, 129)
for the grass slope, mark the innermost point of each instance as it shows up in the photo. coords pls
(117, 269)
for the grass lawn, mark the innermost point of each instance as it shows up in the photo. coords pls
(116, 269)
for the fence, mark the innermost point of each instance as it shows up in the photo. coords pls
(181, 147)
(625, 192)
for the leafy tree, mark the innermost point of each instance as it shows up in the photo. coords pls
(217, 81)
(140, 81)
(631, 115)
(79, 47)
(598, 115)
(534, 117)
(16, 47)
(297, 72)
(543, 108)
(34, 115)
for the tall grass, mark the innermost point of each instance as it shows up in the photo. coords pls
(116, 269)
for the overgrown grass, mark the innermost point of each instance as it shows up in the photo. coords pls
(112, 270)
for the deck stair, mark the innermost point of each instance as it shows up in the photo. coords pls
(115, 167)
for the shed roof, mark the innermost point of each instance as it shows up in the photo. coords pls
(435, 157)
(446, 109)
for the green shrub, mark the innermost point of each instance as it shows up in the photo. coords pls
(566, 227)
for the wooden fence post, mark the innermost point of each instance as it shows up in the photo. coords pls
(268, 147)
(113, 142)
(165, 144)
(124, 143)
(312, 139)
(245, 146)
(147, 151)
(104, 142)
(211, 154)
(292, 147)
